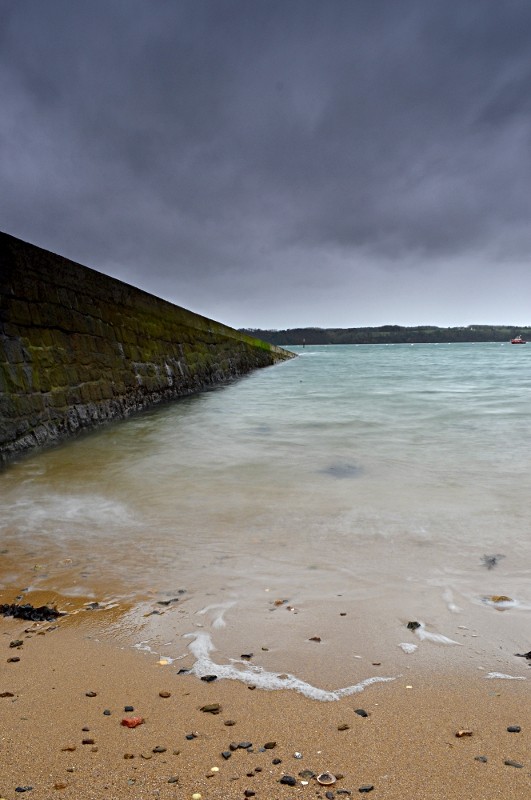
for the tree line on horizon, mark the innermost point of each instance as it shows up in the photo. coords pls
(390, 334)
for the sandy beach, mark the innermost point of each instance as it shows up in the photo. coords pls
(64, 689)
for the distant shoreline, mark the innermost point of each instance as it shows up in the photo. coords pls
(390, 334)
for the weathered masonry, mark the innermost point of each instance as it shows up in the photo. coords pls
(78, 348)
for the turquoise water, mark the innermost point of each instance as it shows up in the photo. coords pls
(374, 478)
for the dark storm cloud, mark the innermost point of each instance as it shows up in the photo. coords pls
(210, 149)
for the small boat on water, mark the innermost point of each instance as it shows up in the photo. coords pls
(518, 340)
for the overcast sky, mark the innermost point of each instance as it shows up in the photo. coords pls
(278, 163)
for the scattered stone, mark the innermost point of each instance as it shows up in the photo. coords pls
(128, 709)
(306, 774)
(226, 754)
(288, 780)
(249, 793)
(191, 736)
(297, 755)
(251, 686)
(184, 671)
(23, 788)
(277, 761)
(361, 712)
(167, 602)
(107, 712)
(159, 749)
(245, 745)
(85, 729)
(509, 763)
(16, 643)
(13, 660)
(6, 694)
(211, 708)
(164, 694)
(514, 729)
(368, 787)
(132, 722)
(173, 779)
(91, 694)
(129, 755)
(146, 756)
(229, 723)
(270, 745)
(329, 795)
(87, 741)
(343, 727)
(464, 732)
(314, 639)
(483, 759)
(209, 678)
(524, 655)
(60, 785)
(247, 656)
(68, 749)
(342, 613)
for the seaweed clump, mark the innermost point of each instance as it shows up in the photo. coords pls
(29, 612)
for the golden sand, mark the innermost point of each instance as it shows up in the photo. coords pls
(405, 748)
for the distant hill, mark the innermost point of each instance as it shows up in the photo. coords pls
(390, 334)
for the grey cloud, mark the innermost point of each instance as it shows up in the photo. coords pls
(197, 148)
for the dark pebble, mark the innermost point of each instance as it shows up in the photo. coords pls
(6, 694)
(412, 626)
(159, 749)
(246, 656)
(277, 761)
(258, 769)
(229, 723)
(483, 759)
(270, 745)
(249, 793)
(107, 712)
(209, 678)
(173, 779)
(23, 788)
(367, 788)
(87, 741)
(514, 729)
(509, 763)
(183, 672)
(129, 708)
(361, 712)
(288, 780)
(191, 736)
(329, 795)
(226, 754)
(16, 643)
(91, 694)
(211, 708)
(13, 660)
(85, 729)
(343, 727)
(233, 746)
(245, 745)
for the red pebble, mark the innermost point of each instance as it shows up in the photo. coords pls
(132, 722)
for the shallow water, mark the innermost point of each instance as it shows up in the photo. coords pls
(363, 481)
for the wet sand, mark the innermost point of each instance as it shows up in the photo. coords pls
(406, 746)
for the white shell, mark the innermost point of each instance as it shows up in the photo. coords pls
(326, 778)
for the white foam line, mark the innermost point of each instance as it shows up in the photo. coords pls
(202, 646)
(438, 638)
(504, 677)
(219, 621)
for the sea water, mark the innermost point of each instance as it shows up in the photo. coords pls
(303, 514)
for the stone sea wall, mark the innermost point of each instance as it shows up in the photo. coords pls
(78, 348)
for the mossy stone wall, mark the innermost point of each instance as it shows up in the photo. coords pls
(78, 348)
